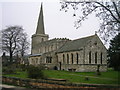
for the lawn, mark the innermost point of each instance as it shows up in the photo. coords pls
(20, 74)
(109, 77)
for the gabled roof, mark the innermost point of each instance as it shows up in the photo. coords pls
(35, 55)
(77, 44)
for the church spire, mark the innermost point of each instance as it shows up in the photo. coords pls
(40, 35)
(40, 24)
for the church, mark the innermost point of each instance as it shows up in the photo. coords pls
(80, 55)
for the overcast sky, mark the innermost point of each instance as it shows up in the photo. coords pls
(58, 24)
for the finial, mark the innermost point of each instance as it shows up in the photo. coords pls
(95, 32)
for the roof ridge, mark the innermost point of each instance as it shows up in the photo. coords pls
(85, 37)
(75, 44)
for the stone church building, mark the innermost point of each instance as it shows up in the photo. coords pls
(80, 55)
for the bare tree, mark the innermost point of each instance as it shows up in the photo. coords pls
(12, 37)
(24, 44)
(107, 11)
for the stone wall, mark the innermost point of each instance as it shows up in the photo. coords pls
(48, 45)
(79, 60)
(68, 58)
(36, 39)
(50, 83)
(83, 68)
(95, 46)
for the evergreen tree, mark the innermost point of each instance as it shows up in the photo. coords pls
(114, 53)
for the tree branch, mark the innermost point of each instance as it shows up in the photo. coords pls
(109, 11)
(116, 10)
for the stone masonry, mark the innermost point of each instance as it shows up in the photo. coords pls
(80, 55)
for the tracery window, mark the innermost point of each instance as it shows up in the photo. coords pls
(48, 59)
(90, 57)
(42, 39)
(67, 58)
(63, 58)
(72, 58)
(77, 57)
(101, 57)
(95, 57)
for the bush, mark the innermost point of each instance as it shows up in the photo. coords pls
(86, 78)
(35, 72)
(8, 70)
(23, 67)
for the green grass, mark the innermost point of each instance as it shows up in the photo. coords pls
(109, 77)
(18, 74)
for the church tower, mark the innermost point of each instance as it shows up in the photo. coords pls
(40, 35)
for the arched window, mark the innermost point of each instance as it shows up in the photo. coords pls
(77, 57)
(101, 57)
(39, 61)
(63, 58)
(51, 47)
(95, 57)
(72, 58)
(32, 61)
(42, 39)
(48, 59)
(45, 49)
(48, 48)
(67, 59)
(57, 58)
(90, 57)
(36, 61)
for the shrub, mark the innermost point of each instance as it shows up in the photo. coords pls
(86, 78)
(8, 70)
(35, 72)
(23, 67)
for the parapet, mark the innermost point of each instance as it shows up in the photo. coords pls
(61, 39)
